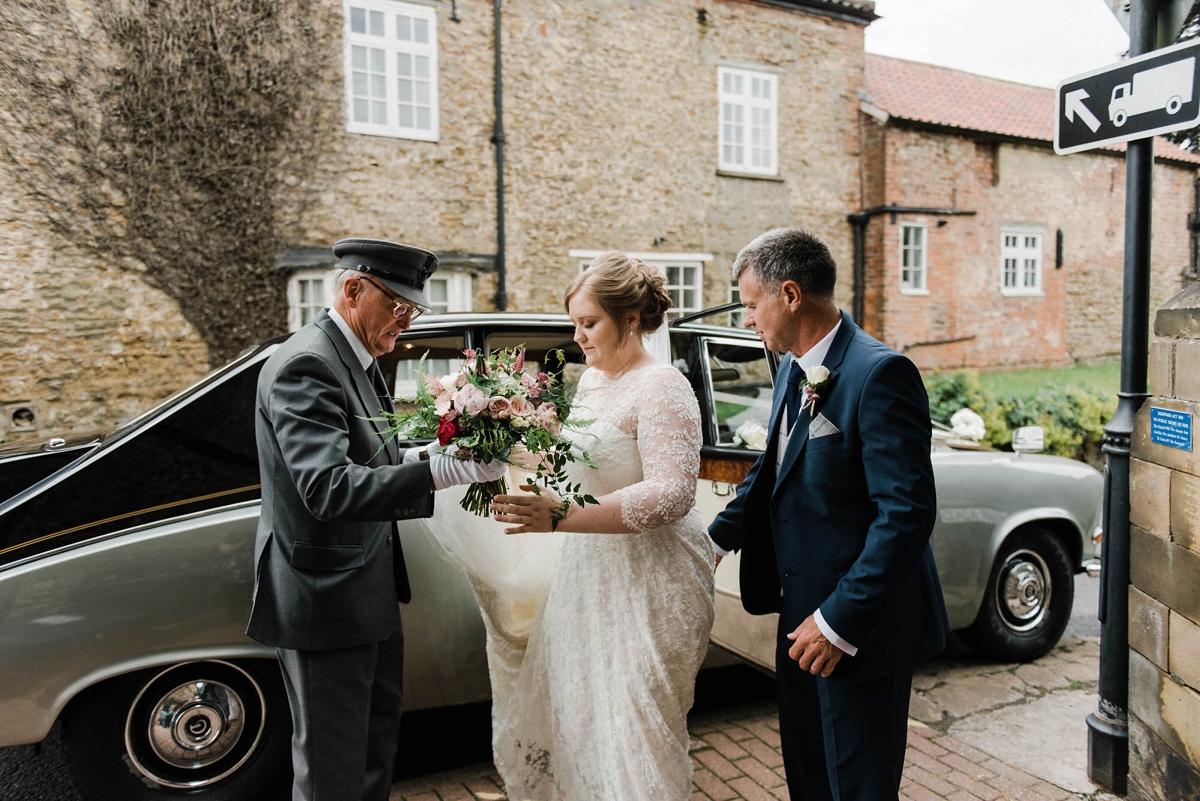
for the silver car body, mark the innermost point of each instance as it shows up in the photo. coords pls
(178, 589)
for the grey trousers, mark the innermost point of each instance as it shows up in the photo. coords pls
(345, 719)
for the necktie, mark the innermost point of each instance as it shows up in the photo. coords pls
(380, 385)
(795, 374)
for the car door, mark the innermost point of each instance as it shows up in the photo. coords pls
(735, 387)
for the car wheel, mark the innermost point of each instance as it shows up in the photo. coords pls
(1118, 119)
(215, 730)
(1028, 599)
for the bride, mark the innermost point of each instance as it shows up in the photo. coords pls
(594, 646)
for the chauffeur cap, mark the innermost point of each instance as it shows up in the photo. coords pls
(404, 269)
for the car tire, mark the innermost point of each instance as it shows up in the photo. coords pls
(1027, 603)
(212, 730)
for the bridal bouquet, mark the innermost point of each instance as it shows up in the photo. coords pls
(489, 408)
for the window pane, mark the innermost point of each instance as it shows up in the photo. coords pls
(360, 111)
(424, 119)
(741, 393)
(726, 82)
(672, 274)
(1031, 241)
(359, 83)
(404, 63)
(406, 116)
(403, 28)
(421, 30)
(378, 86)
(766, 90)
(439, 290)
(737, 84)
(379, 113)
(422, 66)
(377, 60)
(377, 23)
(358, 58)
(423, 92)
(405, 90)
(358, 20)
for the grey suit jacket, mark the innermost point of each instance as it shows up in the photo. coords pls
(329, 572)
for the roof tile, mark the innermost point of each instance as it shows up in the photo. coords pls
(910, 90)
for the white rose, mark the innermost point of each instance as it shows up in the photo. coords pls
(966, 424)
(751, 435)
(817, 373)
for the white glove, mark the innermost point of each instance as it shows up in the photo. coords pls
(446, 471)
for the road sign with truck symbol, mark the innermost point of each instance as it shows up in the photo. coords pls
(1144, 96)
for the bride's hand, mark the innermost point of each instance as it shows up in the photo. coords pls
(530, 513)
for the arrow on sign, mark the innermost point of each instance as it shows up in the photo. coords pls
(1075, 106)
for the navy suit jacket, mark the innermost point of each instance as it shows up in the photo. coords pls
(845, 525)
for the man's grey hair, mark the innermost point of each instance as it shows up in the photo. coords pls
(339, 277)
(789, 254)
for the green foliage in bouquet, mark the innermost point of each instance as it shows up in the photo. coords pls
(490, 409)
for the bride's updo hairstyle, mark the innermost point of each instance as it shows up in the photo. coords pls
(622, 286)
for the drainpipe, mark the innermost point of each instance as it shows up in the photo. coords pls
(498, 139)
(859, 220)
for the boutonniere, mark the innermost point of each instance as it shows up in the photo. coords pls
(816, 379)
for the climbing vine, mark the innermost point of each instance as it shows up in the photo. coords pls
(176, 139)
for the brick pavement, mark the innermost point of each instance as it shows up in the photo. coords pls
(736, 756)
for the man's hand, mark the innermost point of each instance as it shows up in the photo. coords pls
(717, 560)
(812, 650)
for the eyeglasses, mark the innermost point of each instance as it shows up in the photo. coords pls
(402, 308)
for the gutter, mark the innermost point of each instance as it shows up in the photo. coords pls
(498, 139)
(859, 220)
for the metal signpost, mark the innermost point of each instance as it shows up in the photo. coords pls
(1153, 92)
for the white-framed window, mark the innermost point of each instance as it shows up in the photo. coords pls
(309, 291)
(912, 259)
(748, 103)
(738, 316)
(1020, 262)
(451, 292)
(391, 68)
(684, 273)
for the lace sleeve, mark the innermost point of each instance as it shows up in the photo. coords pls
(669, 440)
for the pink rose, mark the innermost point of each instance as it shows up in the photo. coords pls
(470, 400)
(546, 417)
(498, 407)
(519, 406)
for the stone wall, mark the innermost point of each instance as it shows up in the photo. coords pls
(1078, 314)
(611, 126)
(83, 345)
(1164, 599)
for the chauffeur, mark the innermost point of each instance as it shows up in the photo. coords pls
(328, 567)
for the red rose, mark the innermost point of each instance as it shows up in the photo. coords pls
(447, 429)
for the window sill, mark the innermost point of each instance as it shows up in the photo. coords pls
(754, 176)
(411, 137)
(917, 292)
(1008, 293)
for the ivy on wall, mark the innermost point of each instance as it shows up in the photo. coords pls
(176, 139)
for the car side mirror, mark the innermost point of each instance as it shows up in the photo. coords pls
(1029, 439)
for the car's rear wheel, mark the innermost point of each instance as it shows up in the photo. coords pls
(215, 730)
(1028, 599)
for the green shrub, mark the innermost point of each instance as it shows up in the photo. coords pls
(1072, 417)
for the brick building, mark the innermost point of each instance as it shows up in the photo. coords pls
(1003, 253)
(675, 129)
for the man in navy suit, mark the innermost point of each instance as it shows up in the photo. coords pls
(833, 522)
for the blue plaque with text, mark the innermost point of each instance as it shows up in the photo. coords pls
(1171, 428)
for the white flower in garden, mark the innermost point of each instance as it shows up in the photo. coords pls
(966, 424)
(751, 435)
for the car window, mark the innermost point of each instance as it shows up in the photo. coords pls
(199, 455)
(739, 377)
(538, 343)
(443, 354)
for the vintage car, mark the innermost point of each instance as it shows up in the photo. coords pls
(125, 565)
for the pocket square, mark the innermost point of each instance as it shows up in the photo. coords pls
(821, 427)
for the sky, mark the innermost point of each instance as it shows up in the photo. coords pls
(1036, 42)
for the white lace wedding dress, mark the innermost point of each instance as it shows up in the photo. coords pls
(594, 640)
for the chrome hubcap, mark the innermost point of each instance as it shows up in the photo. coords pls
(191, 728)
(1023, 590)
